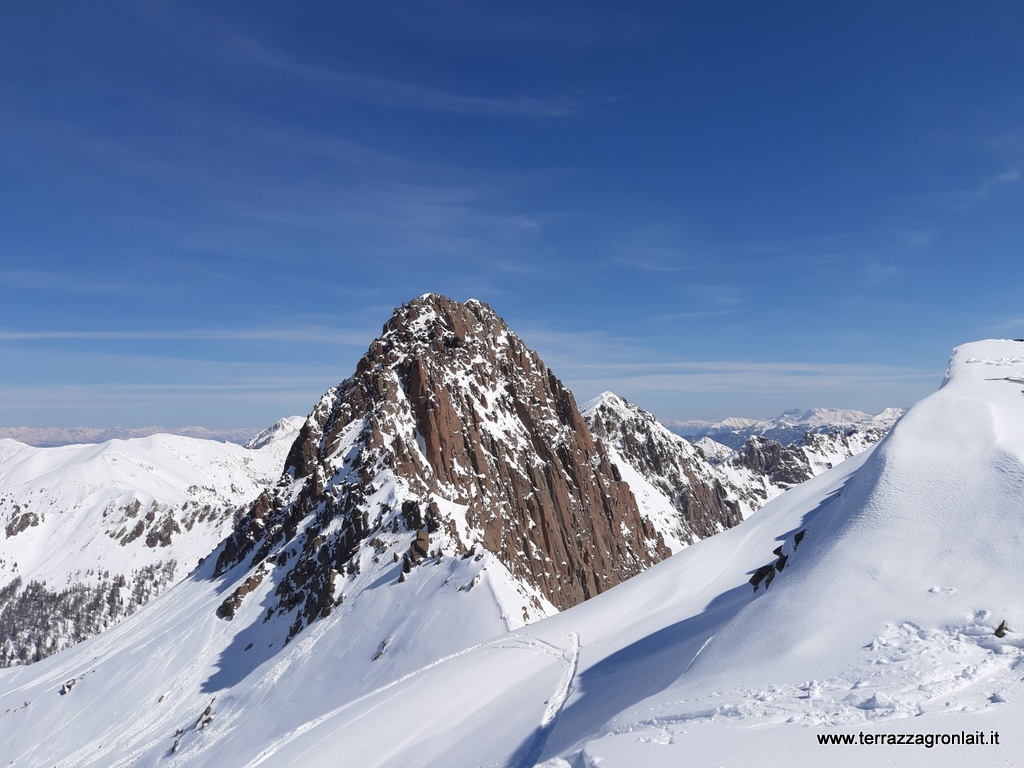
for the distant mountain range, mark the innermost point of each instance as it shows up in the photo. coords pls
(49, 437)
(788, 428)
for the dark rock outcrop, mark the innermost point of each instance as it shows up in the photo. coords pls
(21, 522)
(783, 466)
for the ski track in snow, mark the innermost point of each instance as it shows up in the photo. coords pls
(532, 750)
(514, 643)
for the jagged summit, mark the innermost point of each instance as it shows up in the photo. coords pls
(684, 497)
(450, 424)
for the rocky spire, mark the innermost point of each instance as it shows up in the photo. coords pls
(449, 425)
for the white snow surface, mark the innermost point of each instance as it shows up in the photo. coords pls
(882, 622)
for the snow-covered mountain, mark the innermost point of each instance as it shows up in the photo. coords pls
(685, 497)
(692, 491)
(763, 468)
(791, 427)
(892, 576)
(91, 532)
(448, 491)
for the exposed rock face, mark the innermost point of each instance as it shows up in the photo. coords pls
(670, 464)
(21, 521)
(449, 425)
(784, 467)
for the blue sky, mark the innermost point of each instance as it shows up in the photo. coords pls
(208, 210)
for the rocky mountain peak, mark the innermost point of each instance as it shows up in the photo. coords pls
(669, 465)
(449, 425)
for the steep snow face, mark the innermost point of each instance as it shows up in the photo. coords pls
(677, 490)
(176, 680)
(90, 532)
(926, 533)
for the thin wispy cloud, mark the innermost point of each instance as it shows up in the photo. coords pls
(95, 402)
(656, 262)
(719, 296)
(62, 281)
(876, 273)
(592, 362)
(995, 181)
(311, 334)
(671, 317)
(391, 92)
(919, 239)
(1006, 326)
(739, 379)
(982, 189)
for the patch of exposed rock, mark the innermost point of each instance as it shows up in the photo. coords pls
(22, 521)
(782, 466)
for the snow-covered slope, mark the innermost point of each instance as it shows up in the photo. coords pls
(92, 531)
(445, 493)
(882, 619)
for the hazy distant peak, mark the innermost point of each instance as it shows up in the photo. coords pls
(285, 429)
(48, 437)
